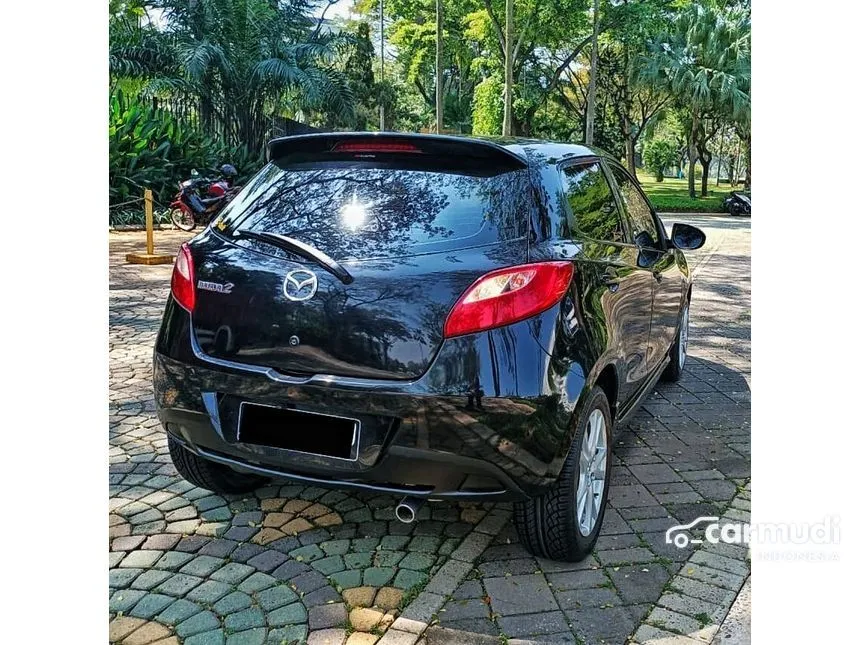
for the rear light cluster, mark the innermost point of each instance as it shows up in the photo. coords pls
(509, 295)
(182, 282)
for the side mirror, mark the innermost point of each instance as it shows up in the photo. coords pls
(686, 237)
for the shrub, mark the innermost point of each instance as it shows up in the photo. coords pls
(150, 148)
(658, 155)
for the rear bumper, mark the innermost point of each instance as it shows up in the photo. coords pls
(489, 420)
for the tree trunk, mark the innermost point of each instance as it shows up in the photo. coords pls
(691, 174)
(509, 68)
(439, 88)
(748, 160)
(720, 153)
(592, 79)
(630, 153)
(705, 160)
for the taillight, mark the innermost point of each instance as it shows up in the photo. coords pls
(509, 295)
(370, 146)
(182, 282)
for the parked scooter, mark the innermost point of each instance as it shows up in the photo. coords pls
(738, 203)
(201, 198)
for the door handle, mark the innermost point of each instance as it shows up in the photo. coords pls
(658, 276)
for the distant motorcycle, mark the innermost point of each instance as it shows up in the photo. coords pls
(201, 198)
(737, 204)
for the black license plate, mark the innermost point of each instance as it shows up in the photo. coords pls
(308, 432)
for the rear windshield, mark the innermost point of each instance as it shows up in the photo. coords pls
(368, 210)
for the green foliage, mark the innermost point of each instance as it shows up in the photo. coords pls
(150, 148)
(658, 155)
(670, 196)
(488, 106)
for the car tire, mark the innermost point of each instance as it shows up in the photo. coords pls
(209, 475)
(549, 525)
(678, 351)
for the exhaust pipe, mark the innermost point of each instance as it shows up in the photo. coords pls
(407, 510)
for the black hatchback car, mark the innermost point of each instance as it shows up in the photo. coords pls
(427, 316)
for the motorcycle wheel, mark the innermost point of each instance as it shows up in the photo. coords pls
(182, 219)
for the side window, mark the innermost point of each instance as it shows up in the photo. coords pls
(595, 213)
(644, 228)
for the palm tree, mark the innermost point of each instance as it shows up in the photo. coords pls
(240, 60)
(704, 61)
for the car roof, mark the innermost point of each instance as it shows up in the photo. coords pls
(542, 151)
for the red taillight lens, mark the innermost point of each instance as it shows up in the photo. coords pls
(182, 282)
(370, 146)
(509, 295)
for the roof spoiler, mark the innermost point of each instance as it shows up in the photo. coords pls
(374, 144)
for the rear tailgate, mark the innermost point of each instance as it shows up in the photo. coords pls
(413, 228)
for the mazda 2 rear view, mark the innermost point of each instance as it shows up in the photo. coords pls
(426, 316)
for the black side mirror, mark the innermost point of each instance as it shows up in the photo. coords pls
(686, 237)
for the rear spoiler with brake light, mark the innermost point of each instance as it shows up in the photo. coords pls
(372, 145)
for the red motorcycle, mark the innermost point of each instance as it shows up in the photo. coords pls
(201, 198)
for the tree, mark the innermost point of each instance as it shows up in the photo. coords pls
(509, 68)
(658, 155)
(439, 87)
(592, 77)
(704, 62)
(238, 60)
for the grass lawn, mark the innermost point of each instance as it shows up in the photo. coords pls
(670, 195)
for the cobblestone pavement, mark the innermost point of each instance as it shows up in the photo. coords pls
(293, 564)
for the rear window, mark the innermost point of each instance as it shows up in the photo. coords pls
(368, 210)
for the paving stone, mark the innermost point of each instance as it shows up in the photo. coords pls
(622, 556)
(594, 597)
(584, 579)
(519, 594)
(722, 563)
(150, 605)
(289, 634)
(358, 560)
(712, 576)
(245, 619)
(179, 584)
(146, 634)
(232, 573)
(327, 637)
(329, 565)
(378, 576)
(178, 611)
(309, 581)
(150, 579)
(673, 621)
(388, 598)
(364, 619)
(140, 559)
(122, 626)
(267, 561)
(654, 473)
(275, 597)
(214, 637)
(209, 592)
(257, 582)
(648, 634)
(607, 624)
(407, 579)
(639, 583)
(322, 596)
(325, 616)
(248, 637)
(232, 602)
(533, 624)
(127, 543)
(124, 599)
(360, 596)
(346, 579)
(202, 565)
(462, 609)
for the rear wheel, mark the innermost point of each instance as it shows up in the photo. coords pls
(678, 352)
(563, 524)
(209, 475)
(182, 219)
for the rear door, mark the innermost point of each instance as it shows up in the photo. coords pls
(413, 227)
(668, 280)
(616, 292)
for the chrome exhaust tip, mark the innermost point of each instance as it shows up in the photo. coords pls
(407, 510)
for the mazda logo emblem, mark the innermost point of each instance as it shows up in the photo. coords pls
(300, 285)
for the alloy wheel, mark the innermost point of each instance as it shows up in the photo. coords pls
(592, 473)
(682, 337)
